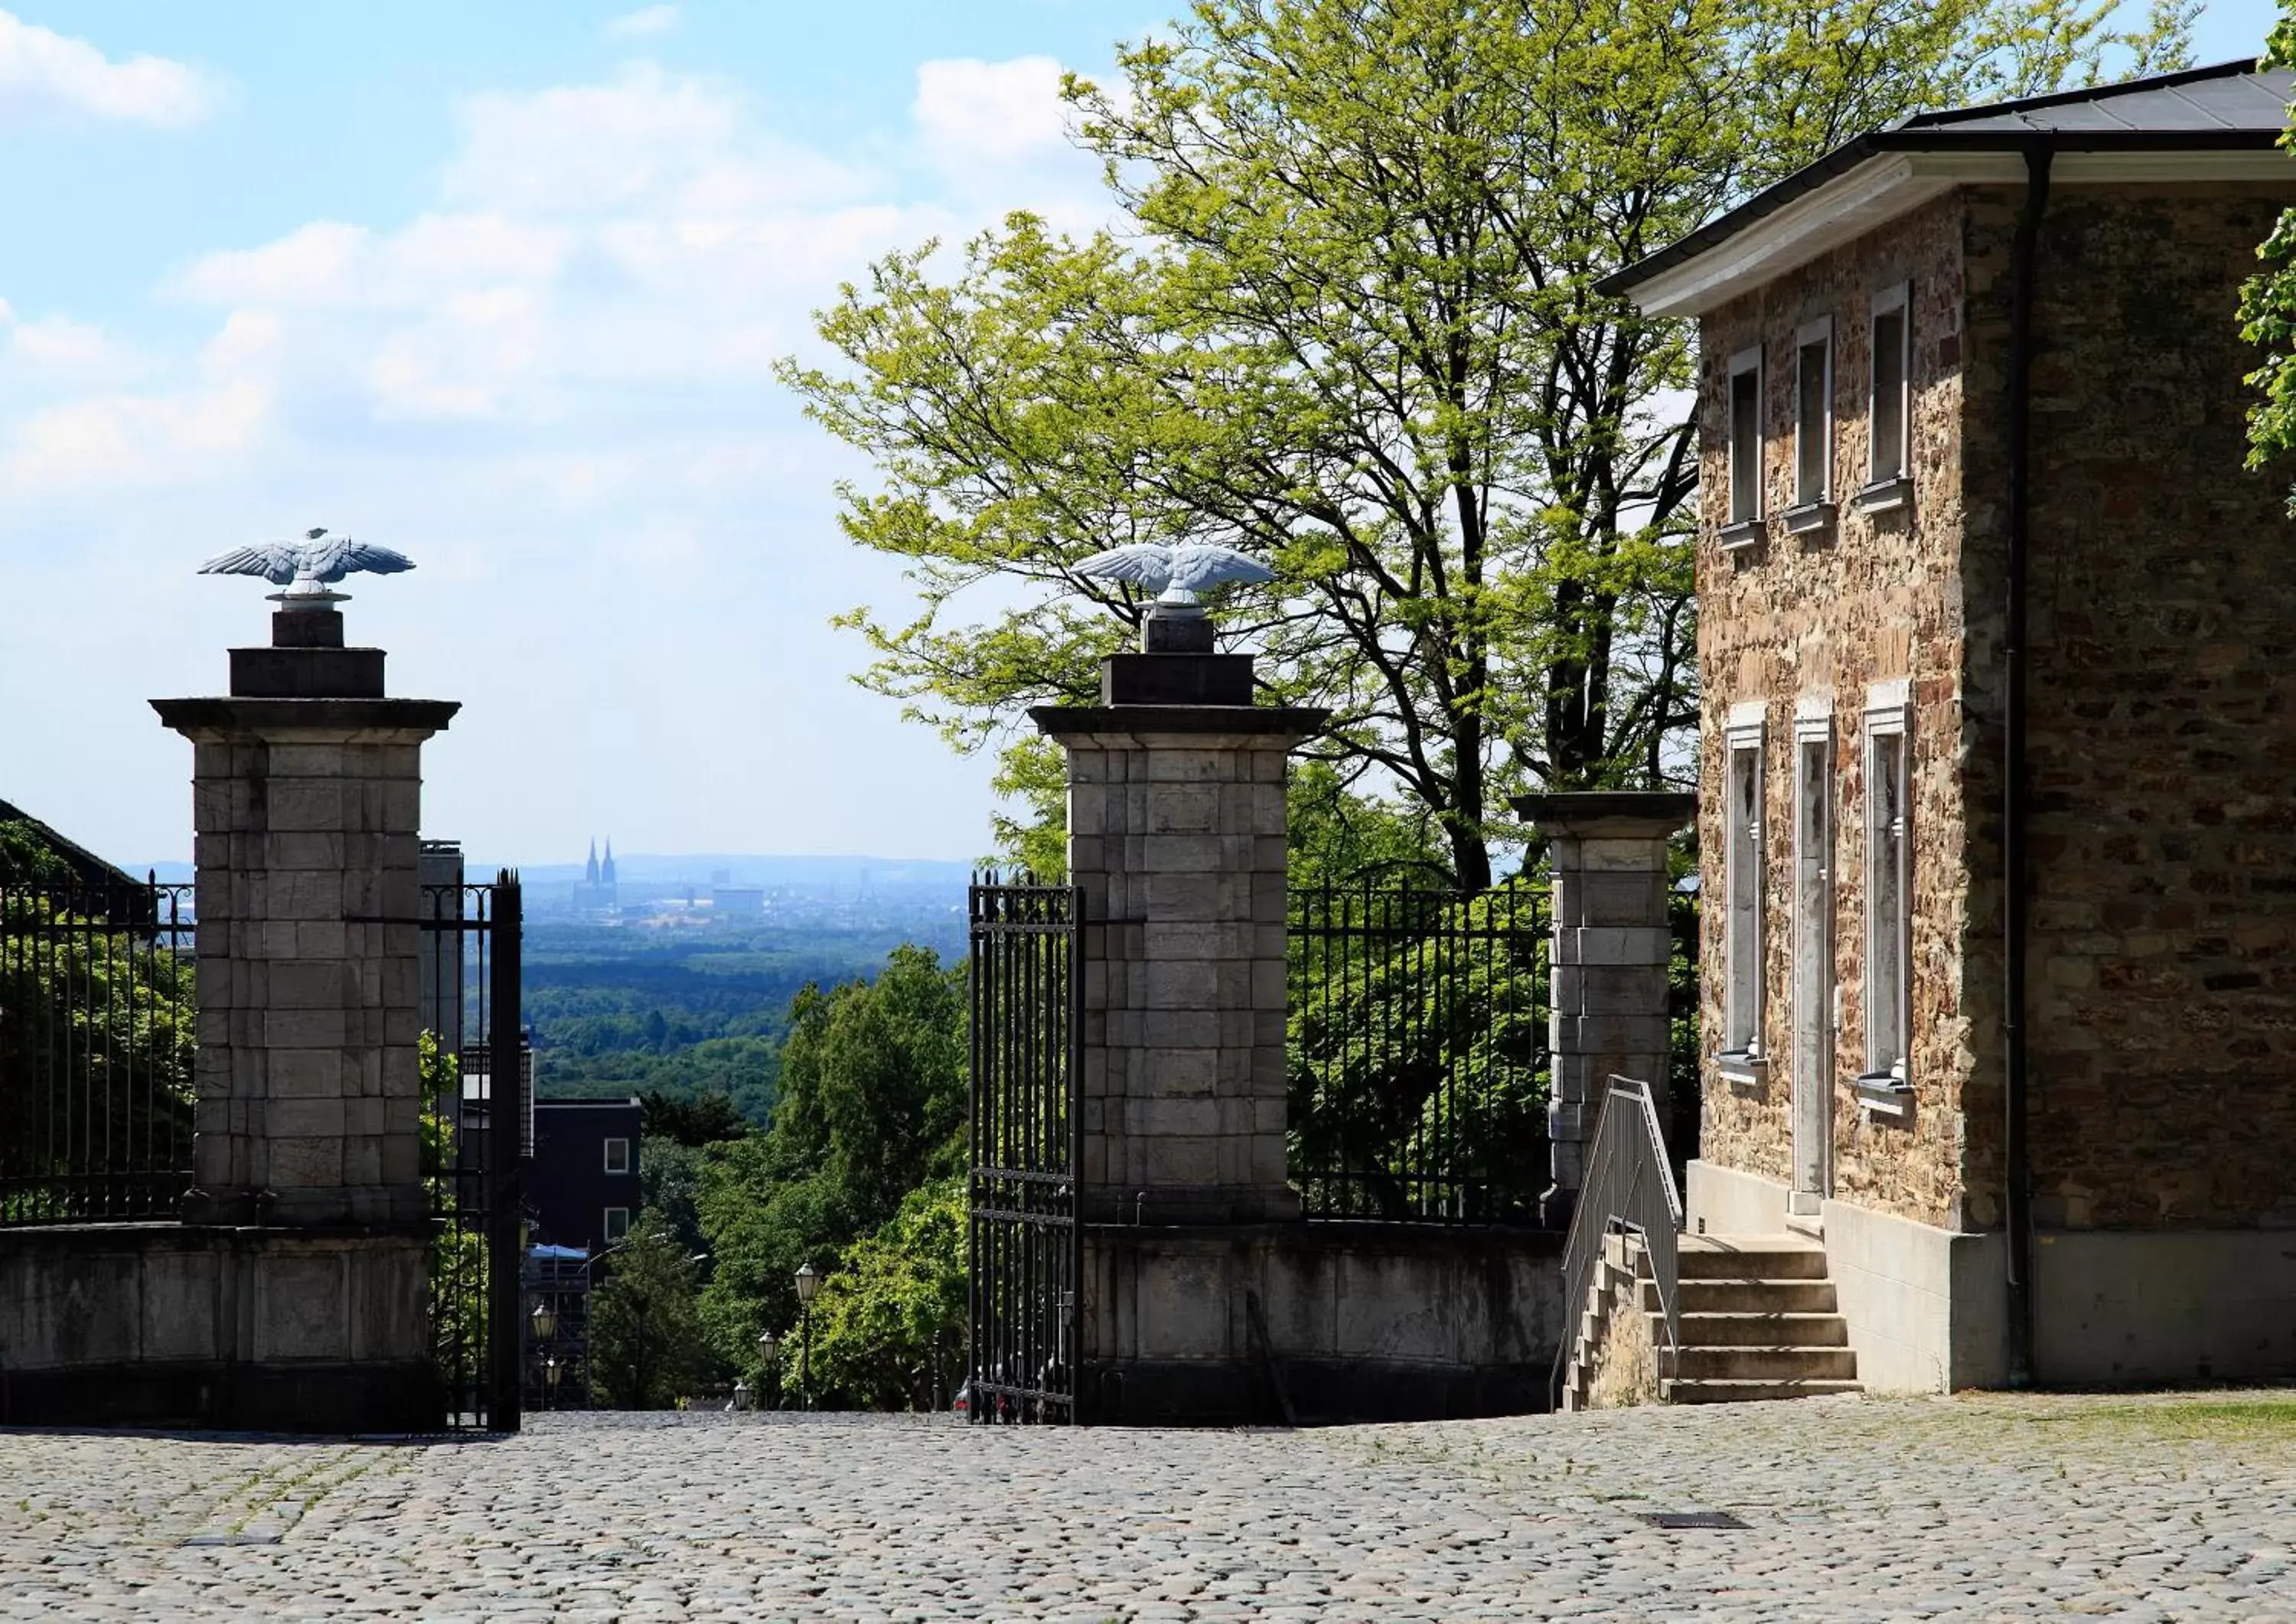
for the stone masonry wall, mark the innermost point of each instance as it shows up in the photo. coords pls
(1876, 599)
(308, 1090)
(2161, 713)
(1177, 840)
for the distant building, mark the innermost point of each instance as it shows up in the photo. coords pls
(738, 901)
(582, 1186)
(599, 895)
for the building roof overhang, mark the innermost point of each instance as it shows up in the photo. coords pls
(1889, 172)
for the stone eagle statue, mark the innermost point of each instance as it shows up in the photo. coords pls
(1179, 576)
(309, 567)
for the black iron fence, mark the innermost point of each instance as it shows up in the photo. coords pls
(1418, 1052)
(1025, 1248)
(475, 1145)
(97, 1039)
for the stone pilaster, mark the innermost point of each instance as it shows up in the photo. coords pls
(1177, 838)
(1608, 1007)
(306, 806)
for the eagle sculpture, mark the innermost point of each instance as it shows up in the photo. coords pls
(1179, 576)
(309, 567)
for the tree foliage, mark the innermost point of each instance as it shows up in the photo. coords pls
(2267, 304)
(1347, 321)
(646, 1347)
(873, 1107)
(888, 1324)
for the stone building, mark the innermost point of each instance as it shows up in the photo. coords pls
(1998, 761)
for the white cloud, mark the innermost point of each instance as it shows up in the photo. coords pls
(58, 352)
(967, 109)
(42, 71)
(649, 20)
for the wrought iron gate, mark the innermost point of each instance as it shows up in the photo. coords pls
(1027, 1251)
(477, 1135)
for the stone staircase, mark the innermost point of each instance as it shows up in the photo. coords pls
(1757, 1321)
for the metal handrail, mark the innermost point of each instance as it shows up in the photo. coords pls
(1628, 1189)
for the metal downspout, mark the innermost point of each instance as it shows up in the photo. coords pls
(2016, 1169)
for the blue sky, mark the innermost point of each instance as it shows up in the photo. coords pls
(499, 285)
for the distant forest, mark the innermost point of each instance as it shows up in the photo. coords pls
(618, 1012)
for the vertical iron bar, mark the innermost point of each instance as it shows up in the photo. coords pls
(506, 1146)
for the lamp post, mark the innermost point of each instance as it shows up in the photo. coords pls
(768, 1343)
(544, 1322)
(808, 1281)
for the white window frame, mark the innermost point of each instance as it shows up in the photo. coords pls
(1814, 984)
(610, 1145)
(1896, 298)
(1745, 485)
(1889, 941)
(610, 1232)
(1818, 334)
(1743, 974)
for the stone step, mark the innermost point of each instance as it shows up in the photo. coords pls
(1740, 1363)
(1750, 1258)
(1749, 1296)
(1761, 1330)
(1708, 1390)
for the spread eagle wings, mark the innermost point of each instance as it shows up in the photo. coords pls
(320, 557)
(275, 560)
(338, 556)
(1192, 567)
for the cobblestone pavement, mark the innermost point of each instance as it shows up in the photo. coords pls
(1973, 1508)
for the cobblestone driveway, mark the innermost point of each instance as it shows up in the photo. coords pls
(1975, 1508)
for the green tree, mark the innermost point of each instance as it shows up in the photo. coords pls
(889, 1323)
(871, 1106)
(2267, 304)
(1349, 320)
(646, 1346)
(457, 1256)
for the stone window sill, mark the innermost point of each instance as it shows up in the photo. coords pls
(1882, 1094)
(1745, 1073)
(1884, 496)
(1744, 534)
(1811, 518)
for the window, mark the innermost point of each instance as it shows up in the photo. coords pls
(1889, 460)
(618, 1155)
(1889, 875)
(617, 1222)
(1745, 438)
(1741, 883)
(1814, 414)
(1813, 945)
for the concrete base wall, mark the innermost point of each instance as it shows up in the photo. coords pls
(1720, 1200)
(2116, 1306)
(1926, 1308)
(171, 1325)
(1364, 1321)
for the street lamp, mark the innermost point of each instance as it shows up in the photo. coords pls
(769, 1342)
(808, 1281)
(544, 1322)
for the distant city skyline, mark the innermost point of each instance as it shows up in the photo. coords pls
(499, 287)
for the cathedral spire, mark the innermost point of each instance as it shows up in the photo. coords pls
(590, 874)
(606, 873)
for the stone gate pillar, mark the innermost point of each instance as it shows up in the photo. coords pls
(1608, 1007)
(1177, 838)
(307, 1133)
